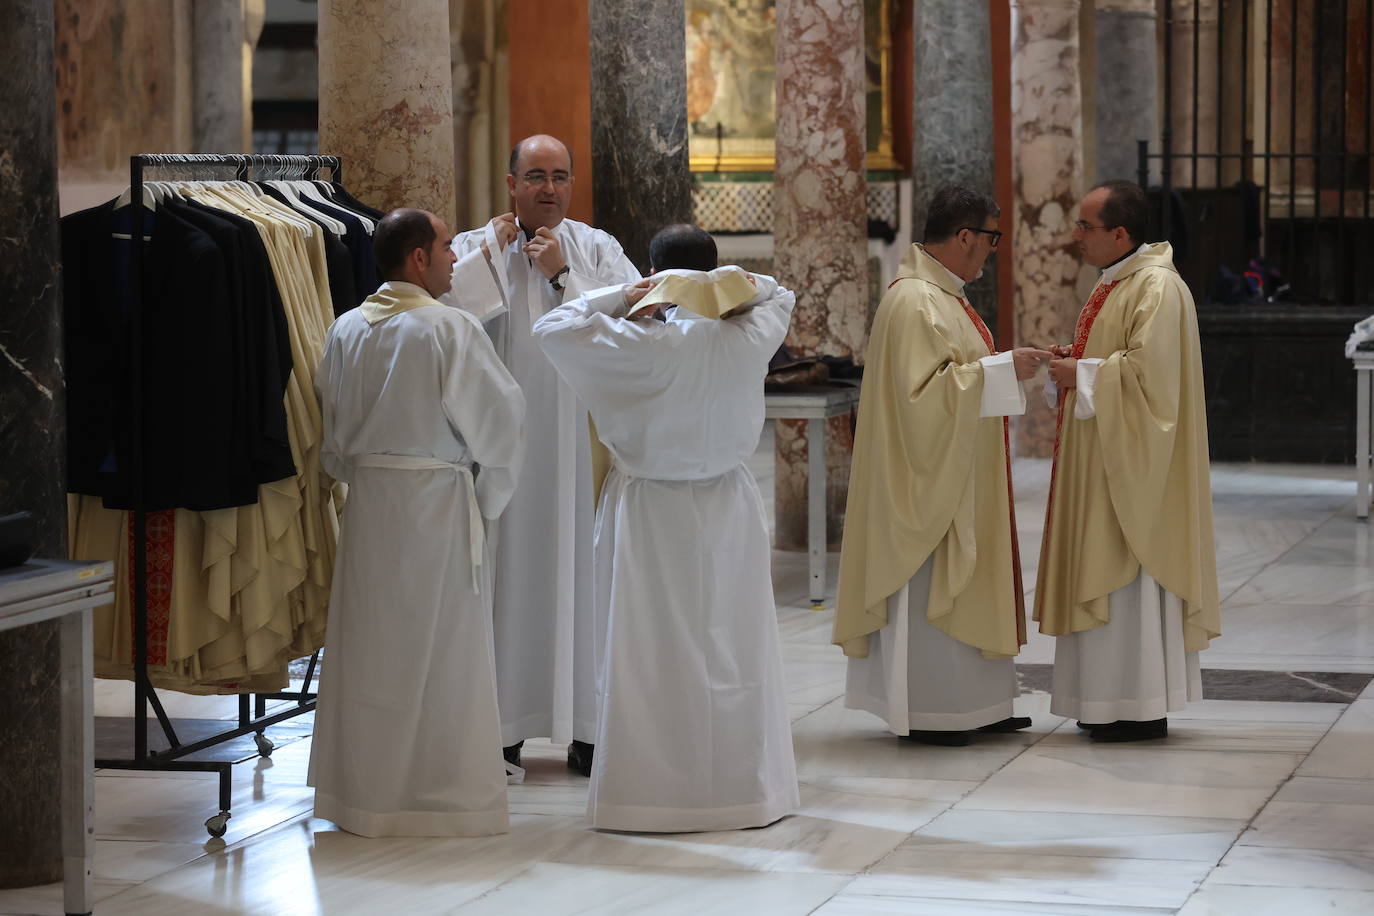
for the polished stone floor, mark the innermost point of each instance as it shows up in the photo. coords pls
(1251, 806)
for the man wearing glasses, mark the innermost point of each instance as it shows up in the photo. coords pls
(931, 608)
(509, 274)
(1128, 576)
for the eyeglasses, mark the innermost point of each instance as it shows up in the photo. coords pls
(1081, 226)
(996, 235)
(537, 179)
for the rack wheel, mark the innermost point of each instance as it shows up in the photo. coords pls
(218, 824)
(264, 743)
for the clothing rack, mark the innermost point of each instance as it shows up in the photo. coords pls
(252, 718)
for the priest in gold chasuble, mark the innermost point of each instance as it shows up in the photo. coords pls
(930, 607)
(1127, 576)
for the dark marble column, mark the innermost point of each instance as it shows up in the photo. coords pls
(952, 129)
(641, 179)
(1127, 85)
(31, 436)
(820, 229)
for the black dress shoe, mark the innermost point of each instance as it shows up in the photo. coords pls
(942, 739)
(512, 753)
(1127, 730)
(580, 757)
(1013, 724)
(1089, 726)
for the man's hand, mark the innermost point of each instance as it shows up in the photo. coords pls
(637, 291)
(1027, 361)
(505, 229)
(1064, 373)
(1060, 351)
(545, 253)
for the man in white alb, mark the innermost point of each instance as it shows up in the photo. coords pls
(413, 399)
(693, 731)
(509, 274)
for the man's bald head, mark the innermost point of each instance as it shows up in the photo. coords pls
(540, 181)
(540, 142)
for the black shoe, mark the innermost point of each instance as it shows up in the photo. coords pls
(1089, 726)
(942, 739)
(1126, 730)
(1013, 724)
(512, 753)
(580, 757)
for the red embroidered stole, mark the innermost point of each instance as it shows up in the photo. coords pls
(1080, 343)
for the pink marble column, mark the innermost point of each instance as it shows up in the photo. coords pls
(1047, 137)
(820, 225)
(386, 101)
(1194, 93)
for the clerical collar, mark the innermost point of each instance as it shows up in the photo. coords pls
(1114, 269)
(529, 230)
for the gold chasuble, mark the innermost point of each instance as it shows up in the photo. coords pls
(394, 297)
(1131, 485)
(930, 476)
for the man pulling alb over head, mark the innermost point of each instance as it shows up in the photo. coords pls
(693, 730)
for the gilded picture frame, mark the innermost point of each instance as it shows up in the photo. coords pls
(730, 84)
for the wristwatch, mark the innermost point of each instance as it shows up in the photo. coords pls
(558, 280)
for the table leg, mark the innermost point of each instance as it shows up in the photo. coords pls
(815, 507)
(78, 762)
(1364, 378)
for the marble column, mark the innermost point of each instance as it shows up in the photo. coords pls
(640, 175)
(952, 130)
(1127, 86)
(1047, 148)
(386, 101)
(225, 33)
(32, 437)
(820, 226)
(1195, 22)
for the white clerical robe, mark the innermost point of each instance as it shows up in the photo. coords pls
(1134, 667)
(544, 629)
(693, 731)
(407, 732)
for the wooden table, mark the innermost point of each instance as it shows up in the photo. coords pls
(1364, 434)
(815, 405)
(67, 591)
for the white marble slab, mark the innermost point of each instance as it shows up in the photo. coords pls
(1114, 836)
(1290, 583)
(552, 889)
(1286, 867)
(1218, 735)
(311, 867)
(1295, 637)
(1224, 900)
(1013, 876)
(847, 904)
(1317, 813)
(1347, 751)
(1121, 779)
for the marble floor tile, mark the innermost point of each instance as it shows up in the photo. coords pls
(551, 889)
(1306, 585)
(1048, 833)
(1317, 813)
(1286, 867)
(1340, 541)
(1229, 900)
(173, 810)
(1347, 751)
(1295, 637)
(1258, 711)
(847, 904)
(1124, 779)
(46, 899)
(311, 867)
(836, 831)
(994, 874)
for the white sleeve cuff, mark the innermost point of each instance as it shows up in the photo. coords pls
(1003, 395)
(609, 300)
(475, 288)
(1086, 379)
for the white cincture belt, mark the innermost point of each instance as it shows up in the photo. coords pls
(476, 531)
